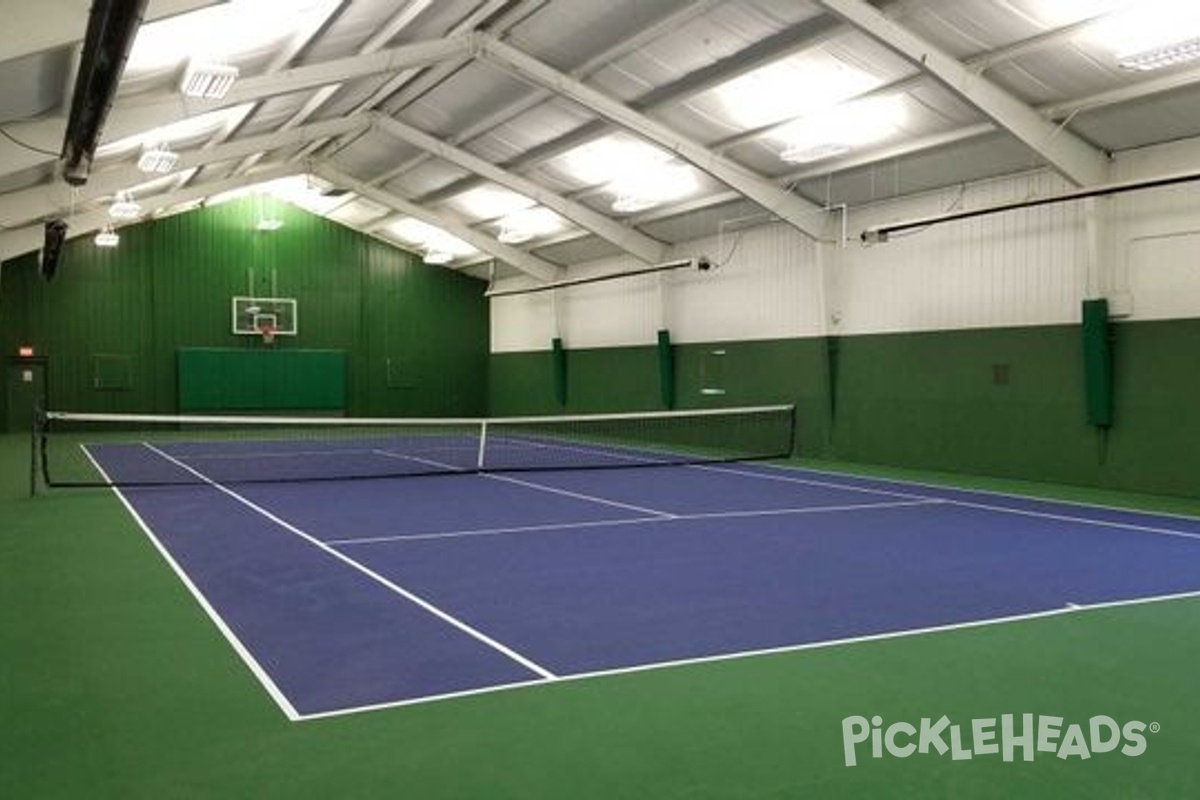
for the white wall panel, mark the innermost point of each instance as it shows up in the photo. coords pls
(1025, 267)
(766, 285)
(1017, 268)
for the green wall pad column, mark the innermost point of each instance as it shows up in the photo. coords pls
(558, 355)
(666, 369)
(1097, 363)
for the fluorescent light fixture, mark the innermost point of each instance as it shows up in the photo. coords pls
(124, 207)
(270, 224)
(107, 237)
(1161, 57)
(157, 159)
(840, 130)
(1149, 35)
(209, 81)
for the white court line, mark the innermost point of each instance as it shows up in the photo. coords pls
(986, 506)
(568, 527)
(247, 657)
(807, 482)
(382, 581)
(528, 484)
(1099, 523)
(983, 492)
(581, 496)
(782, 650)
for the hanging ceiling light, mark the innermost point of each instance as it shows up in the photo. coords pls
(438, 257)
(107, 237)
(157, 159)
(124, 207)
(209, 81)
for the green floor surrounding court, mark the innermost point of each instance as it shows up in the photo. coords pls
(114, 684)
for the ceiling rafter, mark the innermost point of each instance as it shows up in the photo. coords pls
(789, 40)
(22, 240)
(1075, 159)
(48, 198)
(643, 247)
(294, 46)
(806, 217)
(526, 262)
(144, 114)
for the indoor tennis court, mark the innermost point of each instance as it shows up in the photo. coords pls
(673, 399)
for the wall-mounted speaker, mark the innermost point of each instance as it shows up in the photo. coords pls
(56, 235)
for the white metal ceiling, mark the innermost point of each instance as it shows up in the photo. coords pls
(666, 60)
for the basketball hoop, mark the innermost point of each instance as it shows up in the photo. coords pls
(267, 332)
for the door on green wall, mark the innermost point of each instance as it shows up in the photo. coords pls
(25, 386)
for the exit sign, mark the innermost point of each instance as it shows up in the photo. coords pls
(25, 351)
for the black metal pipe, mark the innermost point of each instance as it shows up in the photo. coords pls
(701, 264)
(112, 27)
(880, 233)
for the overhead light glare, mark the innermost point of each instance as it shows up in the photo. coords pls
(209, 81)
(124, 207)
(807, 154)
(438, 257)
(839, 130)
(158, 159)
(1161, 57)
(523, 225)
(514, 236)
(107, 237)
(632, 203)
(269, 224)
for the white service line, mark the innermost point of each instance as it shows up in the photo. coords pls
(256, 669)
(808, 482)
(1099, 523)
(568, 527)
(375, 576)
(1102, 523)
(530, 485)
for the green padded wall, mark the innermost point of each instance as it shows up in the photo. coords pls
(239, 379)
(415, 337)
(1009, 402)
(1097, 363)
(666, 369)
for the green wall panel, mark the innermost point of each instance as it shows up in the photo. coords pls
(1008, 402)
(169, 284)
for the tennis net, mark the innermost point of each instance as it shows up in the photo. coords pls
(77, 449)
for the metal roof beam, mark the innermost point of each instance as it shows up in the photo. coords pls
(48, 198)
(806, 217)
(22, 240)
(141, 115)
(644, 247)
(526, 262)
(1074, 158)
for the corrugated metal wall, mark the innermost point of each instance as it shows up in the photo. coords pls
(416, 336)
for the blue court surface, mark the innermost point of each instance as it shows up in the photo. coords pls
(349, 595)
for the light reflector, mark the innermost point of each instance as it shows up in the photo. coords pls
(210, 81)
(157, 160)
(124, 207)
